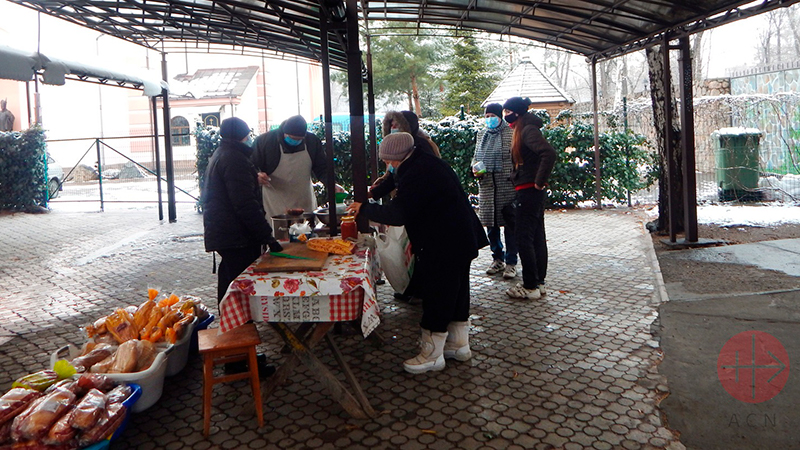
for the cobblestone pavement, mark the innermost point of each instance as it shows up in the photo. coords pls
(577, 369)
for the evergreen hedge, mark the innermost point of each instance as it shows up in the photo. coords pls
(208, 139)
(628, 163)
(23, 169)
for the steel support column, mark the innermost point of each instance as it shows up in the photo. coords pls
(168, 157)
(356, 94)
(687, 142)
(598, 196)
(330, 176)
(157, 154)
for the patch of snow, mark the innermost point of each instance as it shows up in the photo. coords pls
(744, 215)
(738, 131)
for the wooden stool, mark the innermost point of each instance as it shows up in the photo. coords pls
(238, 344)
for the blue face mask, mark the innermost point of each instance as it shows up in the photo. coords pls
(492, 122)
(394, 130)
(292, 142)
(251, 141)
(390, 169)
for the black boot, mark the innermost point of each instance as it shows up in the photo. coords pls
(402, 297)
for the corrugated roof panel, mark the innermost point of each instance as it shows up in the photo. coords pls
(594, 28)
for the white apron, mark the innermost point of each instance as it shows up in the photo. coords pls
(291, 185)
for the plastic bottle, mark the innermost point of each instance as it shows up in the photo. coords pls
(349, 228)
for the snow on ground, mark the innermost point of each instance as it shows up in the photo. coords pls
(744, 215)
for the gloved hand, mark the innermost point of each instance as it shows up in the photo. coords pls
(275, 246)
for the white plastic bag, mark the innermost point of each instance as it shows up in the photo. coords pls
(397, 261)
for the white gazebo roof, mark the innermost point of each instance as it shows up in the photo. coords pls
(527, 80)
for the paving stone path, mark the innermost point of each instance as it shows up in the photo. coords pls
(577, 369)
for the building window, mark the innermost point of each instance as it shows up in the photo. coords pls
(179, 127)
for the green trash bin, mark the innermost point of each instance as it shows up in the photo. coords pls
(736, 155)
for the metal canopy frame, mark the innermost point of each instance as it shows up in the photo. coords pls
(597, 29)
(248, 27)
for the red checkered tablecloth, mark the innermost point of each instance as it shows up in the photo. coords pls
(343, 290)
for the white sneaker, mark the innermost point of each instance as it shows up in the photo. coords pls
(496, 267)
(542, 290)
(510, 272)
(520, 292)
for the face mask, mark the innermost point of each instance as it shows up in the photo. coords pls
(511, 117)
(292, 142)
(394, 130)
(250, 142)
(492, 122)
(390, 169)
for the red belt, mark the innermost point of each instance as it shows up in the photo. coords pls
(524, 186)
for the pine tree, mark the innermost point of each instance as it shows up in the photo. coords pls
(469, 79)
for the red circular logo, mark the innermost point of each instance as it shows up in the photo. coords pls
(753, 366)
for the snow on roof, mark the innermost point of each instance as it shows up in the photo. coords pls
(526, 80)
(214, 83)
(22, 66)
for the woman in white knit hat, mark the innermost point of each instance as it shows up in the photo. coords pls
(445, 235)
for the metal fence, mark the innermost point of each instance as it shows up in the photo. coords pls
(124, 169)
(774, 165)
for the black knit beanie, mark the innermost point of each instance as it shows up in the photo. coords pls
(234, 128)
(413, 121)
(518, 105)
(295, 126)
(495, 108)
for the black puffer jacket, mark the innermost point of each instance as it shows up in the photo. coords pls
(434, 208)
(233, 216)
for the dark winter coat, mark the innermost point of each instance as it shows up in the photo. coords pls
(434, 208)
(538, 156)
(233, 216)
(267, 154)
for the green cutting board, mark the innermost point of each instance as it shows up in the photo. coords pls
(270, 263)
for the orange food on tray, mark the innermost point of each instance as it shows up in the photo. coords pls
(331, 245)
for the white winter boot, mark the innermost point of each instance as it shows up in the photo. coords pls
(457, 345)
(431, 355)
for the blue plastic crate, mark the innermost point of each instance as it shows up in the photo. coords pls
(194, 347)
(129, 402)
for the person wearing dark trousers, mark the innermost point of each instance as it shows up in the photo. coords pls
(233, 216)
(430, 199)
(402, 122)
(232, 263)
(491, 165)
(533, 158)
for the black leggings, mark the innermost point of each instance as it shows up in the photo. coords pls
(233, 262)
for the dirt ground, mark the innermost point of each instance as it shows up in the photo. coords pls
(711, 278)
